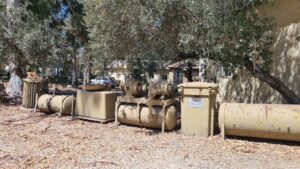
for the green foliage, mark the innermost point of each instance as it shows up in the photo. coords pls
(25, 39)
(43, 9)
(44, 40)
(229, 31)
(74, 25)
(136, 67)
(130, 30)
(247, 38)
(151, 68)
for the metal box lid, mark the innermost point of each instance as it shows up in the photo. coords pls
(198, 85)
(198, 89)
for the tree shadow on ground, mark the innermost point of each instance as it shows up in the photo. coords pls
(263, 140)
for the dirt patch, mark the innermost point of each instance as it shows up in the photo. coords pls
(36, 140)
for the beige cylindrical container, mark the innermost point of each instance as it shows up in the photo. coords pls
(160, 89)
(280, 122)
(53, 104)
(30, 89)
(133, 115)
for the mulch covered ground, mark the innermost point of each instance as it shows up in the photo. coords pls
(36, 140)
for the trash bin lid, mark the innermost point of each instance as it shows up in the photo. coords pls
(198, 85)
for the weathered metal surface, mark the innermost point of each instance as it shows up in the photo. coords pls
(147, 105)
(160, 89)
(281, 122)
(97, 87)
(96, 106)
(30, 89)
(145, 101)
(54, 104)
(198, 89)
(132, 88)
(197, 108)
(141, 116)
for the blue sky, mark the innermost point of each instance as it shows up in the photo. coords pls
(63, 12)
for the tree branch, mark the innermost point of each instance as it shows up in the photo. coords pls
(274, 82)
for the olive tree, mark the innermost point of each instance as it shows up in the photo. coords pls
(27, 39)
(229, 31)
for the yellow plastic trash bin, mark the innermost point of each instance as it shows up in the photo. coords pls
(197, 108)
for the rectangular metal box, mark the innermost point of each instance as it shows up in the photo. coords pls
(197, 108)
(96, 106)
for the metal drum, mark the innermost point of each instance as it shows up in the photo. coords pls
(280, 122)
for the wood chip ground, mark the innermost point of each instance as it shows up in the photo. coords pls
(36, 140)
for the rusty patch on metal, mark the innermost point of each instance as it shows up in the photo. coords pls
(267, 111)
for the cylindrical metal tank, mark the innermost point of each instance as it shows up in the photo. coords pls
(132, 87)
(160, 89)
(53, 104)
(280, 122)
(132, 114)
(30, 89)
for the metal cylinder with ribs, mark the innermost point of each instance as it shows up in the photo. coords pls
(141, 116)
(132, 87)
(160, 89)
(280, 122)
(54, 104)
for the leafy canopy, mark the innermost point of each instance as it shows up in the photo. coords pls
(26, 38)
(229, 31)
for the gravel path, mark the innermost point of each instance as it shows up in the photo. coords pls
(36, 140)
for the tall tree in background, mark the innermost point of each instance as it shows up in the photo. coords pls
(133, 30)
(228, 31)
(24, 39)
(67, 18)
(74, 31)
(246, 43)
(88, 53)
(32, 35)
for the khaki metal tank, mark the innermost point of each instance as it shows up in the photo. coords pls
(145, 105)
(53, 104)
(161, 89)
(280, 122)
(132, 87)
(133, 115)
(30, 89)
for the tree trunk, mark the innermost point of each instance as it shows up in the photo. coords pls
(74, 72)
(189, 75)
(86, 75)
(87, 71)
(275, 83)
(189, 72)
(258, 73)
(15, 85)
